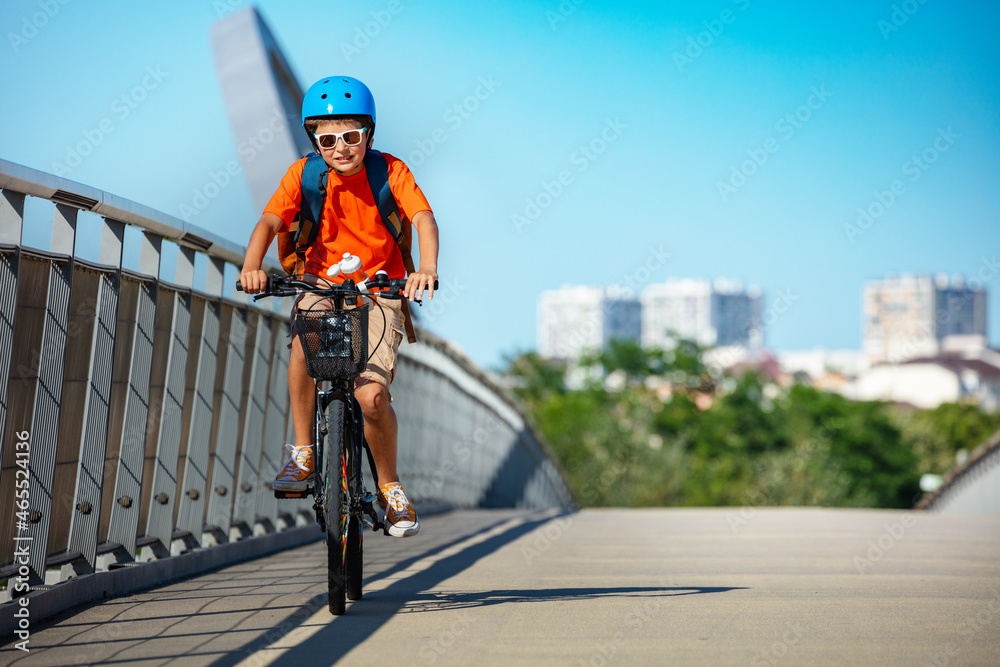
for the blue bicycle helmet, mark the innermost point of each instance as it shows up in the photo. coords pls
(338, 96)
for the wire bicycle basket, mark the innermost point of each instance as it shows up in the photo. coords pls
(335, 342)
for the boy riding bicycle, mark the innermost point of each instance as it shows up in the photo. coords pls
(338, 113)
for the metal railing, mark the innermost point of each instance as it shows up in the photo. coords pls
(143, 418)
(972, 487)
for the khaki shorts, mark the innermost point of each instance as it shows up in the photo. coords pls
(382, 349)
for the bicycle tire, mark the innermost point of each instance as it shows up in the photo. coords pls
(335, 507)
(353, 562)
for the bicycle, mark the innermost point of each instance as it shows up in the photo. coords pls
(335, 343)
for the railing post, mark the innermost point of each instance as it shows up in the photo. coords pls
(124, 521)
(184, 276)
(149, 254)
(160, 521)
(274, 427)
(11, 223)
(227, 425)
(191, 512)
(11, 217)
(255, 404)
(94, 438)
(214, 276)
(48, 390)
(112, 242)
(64, 230)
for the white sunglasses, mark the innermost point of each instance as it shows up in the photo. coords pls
(350, 137)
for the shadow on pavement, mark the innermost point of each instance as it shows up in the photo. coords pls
(363, 618)
(442, 601)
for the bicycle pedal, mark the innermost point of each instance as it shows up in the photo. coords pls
(374, 524)
(294, 494)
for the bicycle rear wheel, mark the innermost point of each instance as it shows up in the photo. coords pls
(335, 507)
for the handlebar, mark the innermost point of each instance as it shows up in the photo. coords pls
(381, 286)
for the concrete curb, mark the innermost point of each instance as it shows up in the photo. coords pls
(114, 583)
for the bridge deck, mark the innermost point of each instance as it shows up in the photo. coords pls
(713, 586)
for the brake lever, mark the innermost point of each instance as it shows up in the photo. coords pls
(264, 295)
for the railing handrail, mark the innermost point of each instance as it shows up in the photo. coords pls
(43, 185)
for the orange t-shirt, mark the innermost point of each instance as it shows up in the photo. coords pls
(351, 221)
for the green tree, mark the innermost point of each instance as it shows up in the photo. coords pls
(535, 379)
(938, 435)
(862, 443)
(593, 435)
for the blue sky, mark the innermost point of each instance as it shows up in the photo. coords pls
(819, 108)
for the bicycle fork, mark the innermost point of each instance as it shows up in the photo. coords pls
(320, 431)
(361, 501)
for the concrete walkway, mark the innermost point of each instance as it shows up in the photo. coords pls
(601, 587)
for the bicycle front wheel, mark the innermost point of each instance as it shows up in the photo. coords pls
(335, 506)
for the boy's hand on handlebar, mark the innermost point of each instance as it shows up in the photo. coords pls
(417, 282)
(254, 282)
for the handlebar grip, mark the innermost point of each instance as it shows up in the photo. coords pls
(267, 285)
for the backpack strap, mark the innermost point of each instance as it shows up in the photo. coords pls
(377, 168)
(313, 196)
